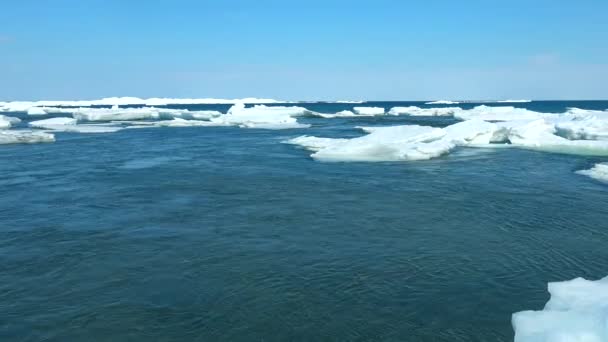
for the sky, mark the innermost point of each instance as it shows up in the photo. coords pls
(304, 50)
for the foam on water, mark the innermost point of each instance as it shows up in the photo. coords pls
(576, 312)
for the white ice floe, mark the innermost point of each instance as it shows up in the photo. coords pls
(399, 143)
(598, 172)
(24, 137)
(369, 110)
(490, 113)
(54, 122)
(36, 111)
(70, 125)
(446, 102)
(382, 144)
(261, 116)
(408, 143)
(576, 312)
(142, 113)
(8, 121)
(417, 111)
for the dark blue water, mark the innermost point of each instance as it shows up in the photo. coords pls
(225, 234)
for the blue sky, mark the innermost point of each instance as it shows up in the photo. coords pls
(298, 50)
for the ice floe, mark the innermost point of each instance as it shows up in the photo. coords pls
(8, 121)
(396, 142)
(417, 111)
(261, 116)
(71, 125)
(24, 137)
(598, 172)
(399, 143)
(576, 311)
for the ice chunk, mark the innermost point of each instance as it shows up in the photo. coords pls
(417, 111)
(539, 135)
(36, 111)
(24, 137)
(261, 117)
(394, 143)
(8, 121)
(576, 311)
(70, 125)
(472, 132)
(369, 110)
(49, 123)
(598, 172)
(488, 113)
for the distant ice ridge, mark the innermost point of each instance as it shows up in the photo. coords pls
(598, 172)
(446, 102)
(576, 312)
(417, 111)
(512, 101)
(26, 106)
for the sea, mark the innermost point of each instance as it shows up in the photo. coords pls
(229, 234)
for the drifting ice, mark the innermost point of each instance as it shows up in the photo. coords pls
(576, 312)
(368, 110)
(598, 172)
(24, 137)
(8, 121)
